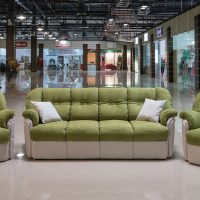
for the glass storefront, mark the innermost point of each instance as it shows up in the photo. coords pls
(23, 57)
(62, 58)
(146, 58)
(184, 57)
(161, 60)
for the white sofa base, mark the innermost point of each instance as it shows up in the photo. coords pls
(6, 150)
(191, 152)
(99, 149)
(150, 150)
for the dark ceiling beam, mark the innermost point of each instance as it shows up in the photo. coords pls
(18, 2)
(38, 8)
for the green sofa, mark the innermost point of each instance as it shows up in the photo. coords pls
(99, 123)
(191, 132)
(6, 130)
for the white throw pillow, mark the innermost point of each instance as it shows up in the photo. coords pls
(151, 110)
(47, 111)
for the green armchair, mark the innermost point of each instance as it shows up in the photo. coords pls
(191, 132)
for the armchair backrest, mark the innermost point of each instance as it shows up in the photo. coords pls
(2, 101)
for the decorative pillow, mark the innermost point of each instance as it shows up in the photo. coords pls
(151, 110)
(47, 111)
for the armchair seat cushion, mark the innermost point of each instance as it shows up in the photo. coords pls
(193, 137)
(83, 130)
(52, 131)
(4, 135)
(115, 130)
(149, 131)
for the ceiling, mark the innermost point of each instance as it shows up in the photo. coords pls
(112, 20)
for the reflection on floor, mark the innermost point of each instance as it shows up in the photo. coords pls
(21, 178)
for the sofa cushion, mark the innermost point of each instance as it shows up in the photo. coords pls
(149, 131)
(60, 98)
(52, 131)
(84, 104)
(136, 98)
(151, 110)
(113, 104)
(193, 137)
(46, 111)
(33, 95)
(83, 130)
(4, 135)
(115, 130)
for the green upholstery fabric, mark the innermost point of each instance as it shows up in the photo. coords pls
(84, 104)
(196, 104)
(113, 104)
(33, 115)
(60, 98)
(83, 130)
(193, 137)
(53, 131)
(5, 116)
(136, 98)
(2, 101)
(163, 94)
(166, 114)
(33, 95)
(4, 135)
(115, 130)
(193, 118)
(149, 131)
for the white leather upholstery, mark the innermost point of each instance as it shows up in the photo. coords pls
(6, 150)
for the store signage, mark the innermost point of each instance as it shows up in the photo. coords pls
(21, 44)
(63, 44)
(159, 31)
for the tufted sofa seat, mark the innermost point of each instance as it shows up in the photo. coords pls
(99, 123)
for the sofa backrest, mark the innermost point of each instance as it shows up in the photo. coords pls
(2, 101)
(136, 98)
(196, 104)
(59, 97)
(84, 104)
(98, 104)
(113, 104)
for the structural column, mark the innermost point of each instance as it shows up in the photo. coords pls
(152, 54)
(197, 51)
(85, 52)
(34, 46)
(33, 53)
(40, 62)
(124, 61)
(10, 33)
(170, 67)
(97, 57)
(131, 59)
(141, 60)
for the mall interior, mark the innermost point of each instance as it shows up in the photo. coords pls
(114, 56)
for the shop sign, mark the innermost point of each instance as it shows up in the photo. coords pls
(21, 44)
(159, 31)
(63, 44)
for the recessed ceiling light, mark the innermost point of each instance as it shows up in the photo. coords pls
(111, 20)
(40, 28)
(19, 155)
(21, 17)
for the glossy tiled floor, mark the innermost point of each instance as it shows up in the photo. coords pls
(20, 178)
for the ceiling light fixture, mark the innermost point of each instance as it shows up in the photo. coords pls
(40, 28)
(105, 30)
(21, 17)
(111, 20)
(144, 7)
